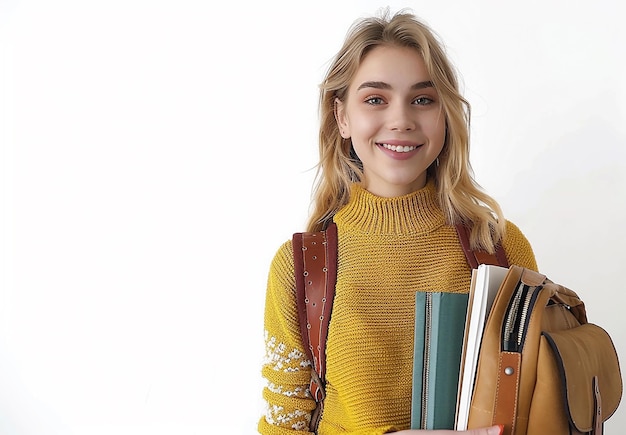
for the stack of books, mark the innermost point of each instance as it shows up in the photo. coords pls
(448, 332)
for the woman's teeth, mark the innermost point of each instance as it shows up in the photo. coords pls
(399, 148)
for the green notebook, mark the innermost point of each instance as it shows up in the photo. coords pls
(439, 331)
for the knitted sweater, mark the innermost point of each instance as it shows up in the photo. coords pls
(389, 248)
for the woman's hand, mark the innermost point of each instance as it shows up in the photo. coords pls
(493, 430)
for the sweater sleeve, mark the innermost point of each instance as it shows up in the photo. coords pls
(286, 368)
(518, 250)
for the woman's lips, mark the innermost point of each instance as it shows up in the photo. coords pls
(399, 151)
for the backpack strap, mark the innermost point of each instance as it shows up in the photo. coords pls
(474, 258)
(315, 265)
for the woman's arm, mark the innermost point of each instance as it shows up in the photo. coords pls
(286, 367)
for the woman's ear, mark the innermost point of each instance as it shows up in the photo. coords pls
(340, 117)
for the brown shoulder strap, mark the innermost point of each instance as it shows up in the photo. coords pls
(315, 263)
(474, 258)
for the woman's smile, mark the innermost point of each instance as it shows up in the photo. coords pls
(399, 151)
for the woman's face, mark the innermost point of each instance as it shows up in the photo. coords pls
(393, 115)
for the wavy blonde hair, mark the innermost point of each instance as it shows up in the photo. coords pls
(460, 197)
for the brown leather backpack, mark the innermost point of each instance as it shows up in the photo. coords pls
(542, 368)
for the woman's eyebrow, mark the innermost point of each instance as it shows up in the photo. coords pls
(383, 85)
(423, 85)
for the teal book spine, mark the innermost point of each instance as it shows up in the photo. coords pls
(439, 332)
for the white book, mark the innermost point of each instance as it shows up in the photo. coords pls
(486, 281)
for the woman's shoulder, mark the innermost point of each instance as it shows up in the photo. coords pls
(281, 267)
(518, 249)
(512, 230)
(284, 254)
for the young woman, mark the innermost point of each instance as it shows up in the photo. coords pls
(395, 178)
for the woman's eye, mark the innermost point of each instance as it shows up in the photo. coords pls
(423, 101)
(374, 101)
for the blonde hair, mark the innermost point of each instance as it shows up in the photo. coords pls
(460, 197)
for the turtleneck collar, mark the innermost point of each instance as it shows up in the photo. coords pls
(414, 213)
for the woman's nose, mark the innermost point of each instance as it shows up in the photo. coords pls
(401, 119)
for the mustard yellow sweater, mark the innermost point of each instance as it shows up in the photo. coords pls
(389, 248)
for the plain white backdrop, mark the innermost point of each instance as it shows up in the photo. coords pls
(155, 154)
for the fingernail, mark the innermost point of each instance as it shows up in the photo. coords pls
(496, 430)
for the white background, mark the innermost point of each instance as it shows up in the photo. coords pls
(156, 153)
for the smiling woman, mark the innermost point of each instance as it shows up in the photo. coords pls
(394, 180)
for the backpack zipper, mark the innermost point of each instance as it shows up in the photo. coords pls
(517, 317)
